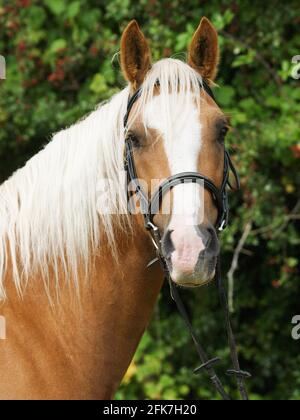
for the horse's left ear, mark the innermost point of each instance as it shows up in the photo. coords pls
(135, 54)
(204, 50)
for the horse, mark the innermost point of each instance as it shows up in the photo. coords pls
(75, 289)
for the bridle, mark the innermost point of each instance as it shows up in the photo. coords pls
(150, 207)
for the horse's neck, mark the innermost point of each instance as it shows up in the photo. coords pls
(66, 352)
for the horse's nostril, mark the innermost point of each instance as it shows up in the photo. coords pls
(205, 234)
(213, 247)
(167, 244)
(211, 237)
(210, 240)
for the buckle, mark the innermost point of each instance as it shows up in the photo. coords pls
(151, 226)
(152, 262)
(222, 226)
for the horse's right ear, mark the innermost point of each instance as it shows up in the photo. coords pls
(204, 51)
(135, 54)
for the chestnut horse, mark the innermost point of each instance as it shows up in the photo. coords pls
(75, 291)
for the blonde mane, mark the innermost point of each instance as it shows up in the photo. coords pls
(48, 209)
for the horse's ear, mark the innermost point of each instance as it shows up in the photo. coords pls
(135, 54)
(204, 51)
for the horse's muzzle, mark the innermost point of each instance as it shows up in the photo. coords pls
(191, 254)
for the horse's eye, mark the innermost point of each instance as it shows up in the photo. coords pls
(222, 134)
(134, 140)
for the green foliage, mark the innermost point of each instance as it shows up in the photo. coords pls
(59, 66)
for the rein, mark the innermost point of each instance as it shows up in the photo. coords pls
(150, 208)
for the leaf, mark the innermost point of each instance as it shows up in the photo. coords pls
(98, 84)
(221, 20)
(57, 45)
(73, 9)
(57, 7)
(292, 262)
(183, 39)
(225, 95)
(36, 17)
(244, 59)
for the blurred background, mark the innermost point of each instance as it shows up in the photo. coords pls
(62, 60)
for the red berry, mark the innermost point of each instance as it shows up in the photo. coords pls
(296, 150)
(276, 284)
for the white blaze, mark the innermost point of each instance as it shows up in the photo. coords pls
(182, 147)
(181, 131)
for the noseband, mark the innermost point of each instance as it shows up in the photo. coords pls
(150, 207)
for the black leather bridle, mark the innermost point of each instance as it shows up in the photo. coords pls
(150, 207)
